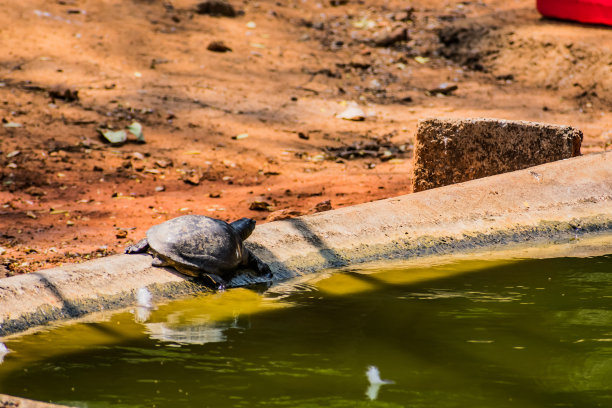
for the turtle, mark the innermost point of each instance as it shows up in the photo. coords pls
(203, 247)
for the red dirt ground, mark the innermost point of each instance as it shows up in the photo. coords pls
(70, 67)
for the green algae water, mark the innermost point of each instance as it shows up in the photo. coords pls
(517, 333)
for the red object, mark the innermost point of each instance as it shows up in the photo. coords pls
(584, 11)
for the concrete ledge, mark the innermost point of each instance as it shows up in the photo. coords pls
(544, 203)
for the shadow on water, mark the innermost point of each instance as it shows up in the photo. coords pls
(418, 343)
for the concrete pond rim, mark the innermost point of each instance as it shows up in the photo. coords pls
(555, 202)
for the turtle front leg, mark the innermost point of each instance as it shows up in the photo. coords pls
(138, 248)
(210, 280)
(257, 265)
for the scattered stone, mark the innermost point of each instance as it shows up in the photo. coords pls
(121, 234)
(163, 163)
(381, 148)
(159, 189)
(353, 113)
(443, 89)
(449, 151)
(10, 125)
(403, 98)
(35, 191)
(64, 94)
(323, 71)
(387, 155)
(136, 156)
(218, 46)
(356, 63)
(303, 135)
(283, 215)
(259, 204)
(404, 15)
(216, 8)
(192, 177)
(505, 77)
(323, 206)
(388, 39)
(158, 61)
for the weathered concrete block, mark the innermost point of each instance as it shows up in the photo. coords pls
(449, 151)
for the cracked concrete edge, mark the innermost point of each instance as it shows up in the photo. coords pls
(553, 201)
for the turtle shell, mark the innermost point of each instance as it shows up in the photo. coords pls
(197, 242)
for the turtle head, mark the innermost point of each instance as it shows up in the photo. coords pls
(244, 227)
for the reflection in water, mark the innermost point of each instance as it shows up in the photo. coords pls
(141, 314)
(3, 352)
(143, 308)
(376, 382)
(191, 334)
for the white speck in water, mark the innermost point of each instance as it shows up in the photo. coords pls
(3, 352)
(143, 305)
(375, 382)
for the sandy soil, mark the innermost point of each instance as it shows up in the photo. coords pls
(253, 132)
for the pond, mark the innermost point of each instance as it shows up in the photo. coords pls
(472, 333)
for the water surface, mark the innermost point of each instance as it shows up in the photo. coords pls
(518, 333)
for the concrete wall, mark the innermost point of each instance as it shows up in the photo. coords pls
(449, 151)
